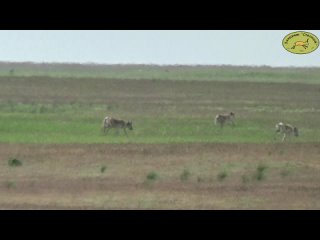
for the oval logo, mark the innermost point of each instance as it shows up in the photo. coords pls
(300, 42)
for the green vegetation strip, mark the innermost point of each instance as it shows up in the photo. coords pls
(26, 124)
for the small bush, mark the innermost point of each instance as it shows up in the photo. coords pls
(185, 175)
(200, 179)
(42, 109)
(10, 185)
(261, 168)
(152, 176)
(14, 162)
(222, 175)
(260, 174)
(103, 169)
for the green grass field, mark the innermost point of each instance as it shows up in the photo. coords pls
(175, 157)
(80, 127)
(71, 110)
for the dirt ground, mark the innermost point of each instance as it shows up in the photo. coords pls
(186, 176)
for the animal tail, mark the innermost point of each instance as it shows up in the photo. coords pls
(216, 120)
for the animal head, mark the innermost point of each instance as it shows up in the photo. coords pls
(278, 126)
(296, 131)
(129, 125)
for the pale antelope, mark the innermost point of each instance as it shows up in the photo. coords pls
(109, 122)
(286, 130)
(223, 118)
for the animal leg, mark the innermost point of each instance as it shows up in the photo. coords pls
(125, 131)
(284, 137)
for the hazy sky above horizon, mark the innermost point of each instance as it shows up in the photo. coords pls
(231, 47)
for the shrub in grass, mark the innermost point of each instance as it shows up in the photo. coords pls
(103, 169)
(185, 175)
(260, 174)
(222, 175)
(42, 109)
(200, 179)
(261, 168)
(152, 176)
(13, 162)
(10, 185)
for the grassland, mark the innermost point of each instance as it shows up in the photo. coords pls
(70, 110)
(165, 72)
(51, 116)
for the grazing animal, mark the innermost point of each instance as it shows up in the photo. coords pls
(223, 118)
(109, 122)
(286, 130)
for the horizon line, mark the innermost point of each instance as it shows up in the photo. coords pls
(151, 64)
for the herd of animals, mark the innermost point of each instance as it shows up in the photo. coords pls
(220, 119)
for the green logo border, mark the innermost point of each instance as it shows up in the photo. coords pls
(300, 32)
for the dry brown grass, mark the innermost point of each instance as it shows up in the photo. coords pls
(154, 97)
(69, 176)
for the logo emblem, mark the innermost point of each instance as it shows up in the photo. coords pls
(300, 42)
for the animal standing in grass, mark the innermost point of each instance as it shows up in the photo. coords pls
(286, 130)
(221, 119)
(109, 122)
